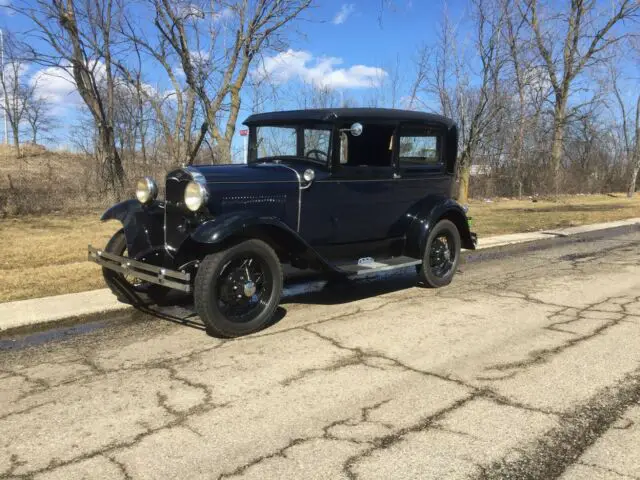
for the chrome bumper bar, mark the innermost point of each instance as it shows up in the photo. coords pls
(141, 270)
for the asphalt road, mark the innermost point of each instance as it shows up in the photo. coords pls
(528, 366)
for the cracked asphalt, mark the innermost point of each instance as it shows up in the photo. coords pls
(527, 366)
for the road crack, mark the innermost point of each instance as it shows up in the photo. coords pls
(550, 455)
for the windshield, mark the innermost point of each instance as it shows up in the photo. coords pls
(312, 143)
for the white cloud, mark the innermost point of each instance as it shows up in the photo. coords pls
(344, 13)
(321, 72)
(56, 84)
(224, 14)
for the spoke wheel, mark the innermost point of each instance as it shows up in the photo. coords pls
(126, 287)
(441, 255)
(244, 288)
(237, 290)
(135, 282)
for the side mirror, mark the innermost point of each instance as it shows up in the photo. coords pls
(355, 129)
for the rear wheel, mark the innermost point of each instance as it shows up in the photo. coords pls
(126, 288)
(441, 255)
(237, 290)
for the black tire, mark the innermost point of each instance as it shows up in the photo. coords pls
(438, 267)
(137, 294)
(217, 275)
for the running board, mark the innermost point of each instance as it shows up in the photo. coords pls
(368, 266)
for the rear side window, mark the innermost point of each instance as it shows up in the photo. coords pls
(419, 148)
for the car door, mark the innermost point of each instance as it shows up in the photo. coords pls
(357, 202)
(421, 162)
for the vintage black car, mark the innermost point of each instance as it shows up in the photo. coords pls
(346, 192)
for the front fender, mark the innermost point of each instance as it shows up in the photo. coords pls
(143, 225)
(287, 242)
(424, 217)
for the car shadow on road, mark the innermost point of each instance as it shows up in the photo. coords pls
(341, 291)
(308, 290)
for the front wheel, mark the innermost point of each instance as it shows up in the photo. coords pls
(441, 255)
(127, 288)
(237, 290)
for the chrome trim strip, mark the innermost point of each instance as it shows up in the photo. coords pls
(390, 179)
(362, 270)
(299, 190)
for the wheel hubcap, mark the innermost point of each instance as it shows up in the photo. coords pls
(442, 255)
(249, 289)
(244, 288)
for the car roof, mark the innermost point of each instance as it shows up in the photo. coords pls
(354, 114)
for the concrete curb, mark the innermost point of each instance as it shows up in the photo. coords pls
(41, 311)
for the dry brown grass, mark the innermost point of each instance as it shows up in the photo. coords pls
(511, 216)
(46, 255)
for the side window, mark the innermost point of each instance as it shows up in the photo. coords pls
(274, 141)
(317, 143)
(419, 148)
(372, 148)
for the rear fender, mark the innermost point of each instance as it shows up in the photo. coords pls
(143, 225)
(425, 216)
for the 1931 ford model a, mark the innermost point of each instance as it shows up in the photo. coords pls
(341, 191)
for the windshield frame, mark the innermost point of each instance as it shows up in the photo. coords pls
(252, 157)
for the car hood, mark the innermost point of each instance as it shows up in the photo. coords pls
(257, 173)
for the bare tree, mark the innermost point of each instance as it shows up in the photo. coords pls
(16, 92)
(521, 68)
(255, 26)
(39, 117)
(80, 35)
(175, 109)
(586, 35)
(474, 105)
(630, 127)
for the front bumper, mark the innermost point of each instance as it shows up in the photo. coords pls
(143, 271)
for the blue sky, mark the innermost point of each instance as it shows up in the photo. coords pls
(348, 41)
(360, 38)
(347, 46)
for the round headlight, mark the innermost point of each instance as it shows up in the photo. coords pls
(146, 190)
(309, 175)
(195, 195)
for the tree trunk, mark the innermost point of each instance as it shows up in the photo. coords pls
(464, 175)
(16, 138)
(112, 171)
(636, 154)
(632, 183)
(558, 141)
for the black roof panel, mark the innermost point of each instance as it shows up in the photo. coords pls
(333, 114)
